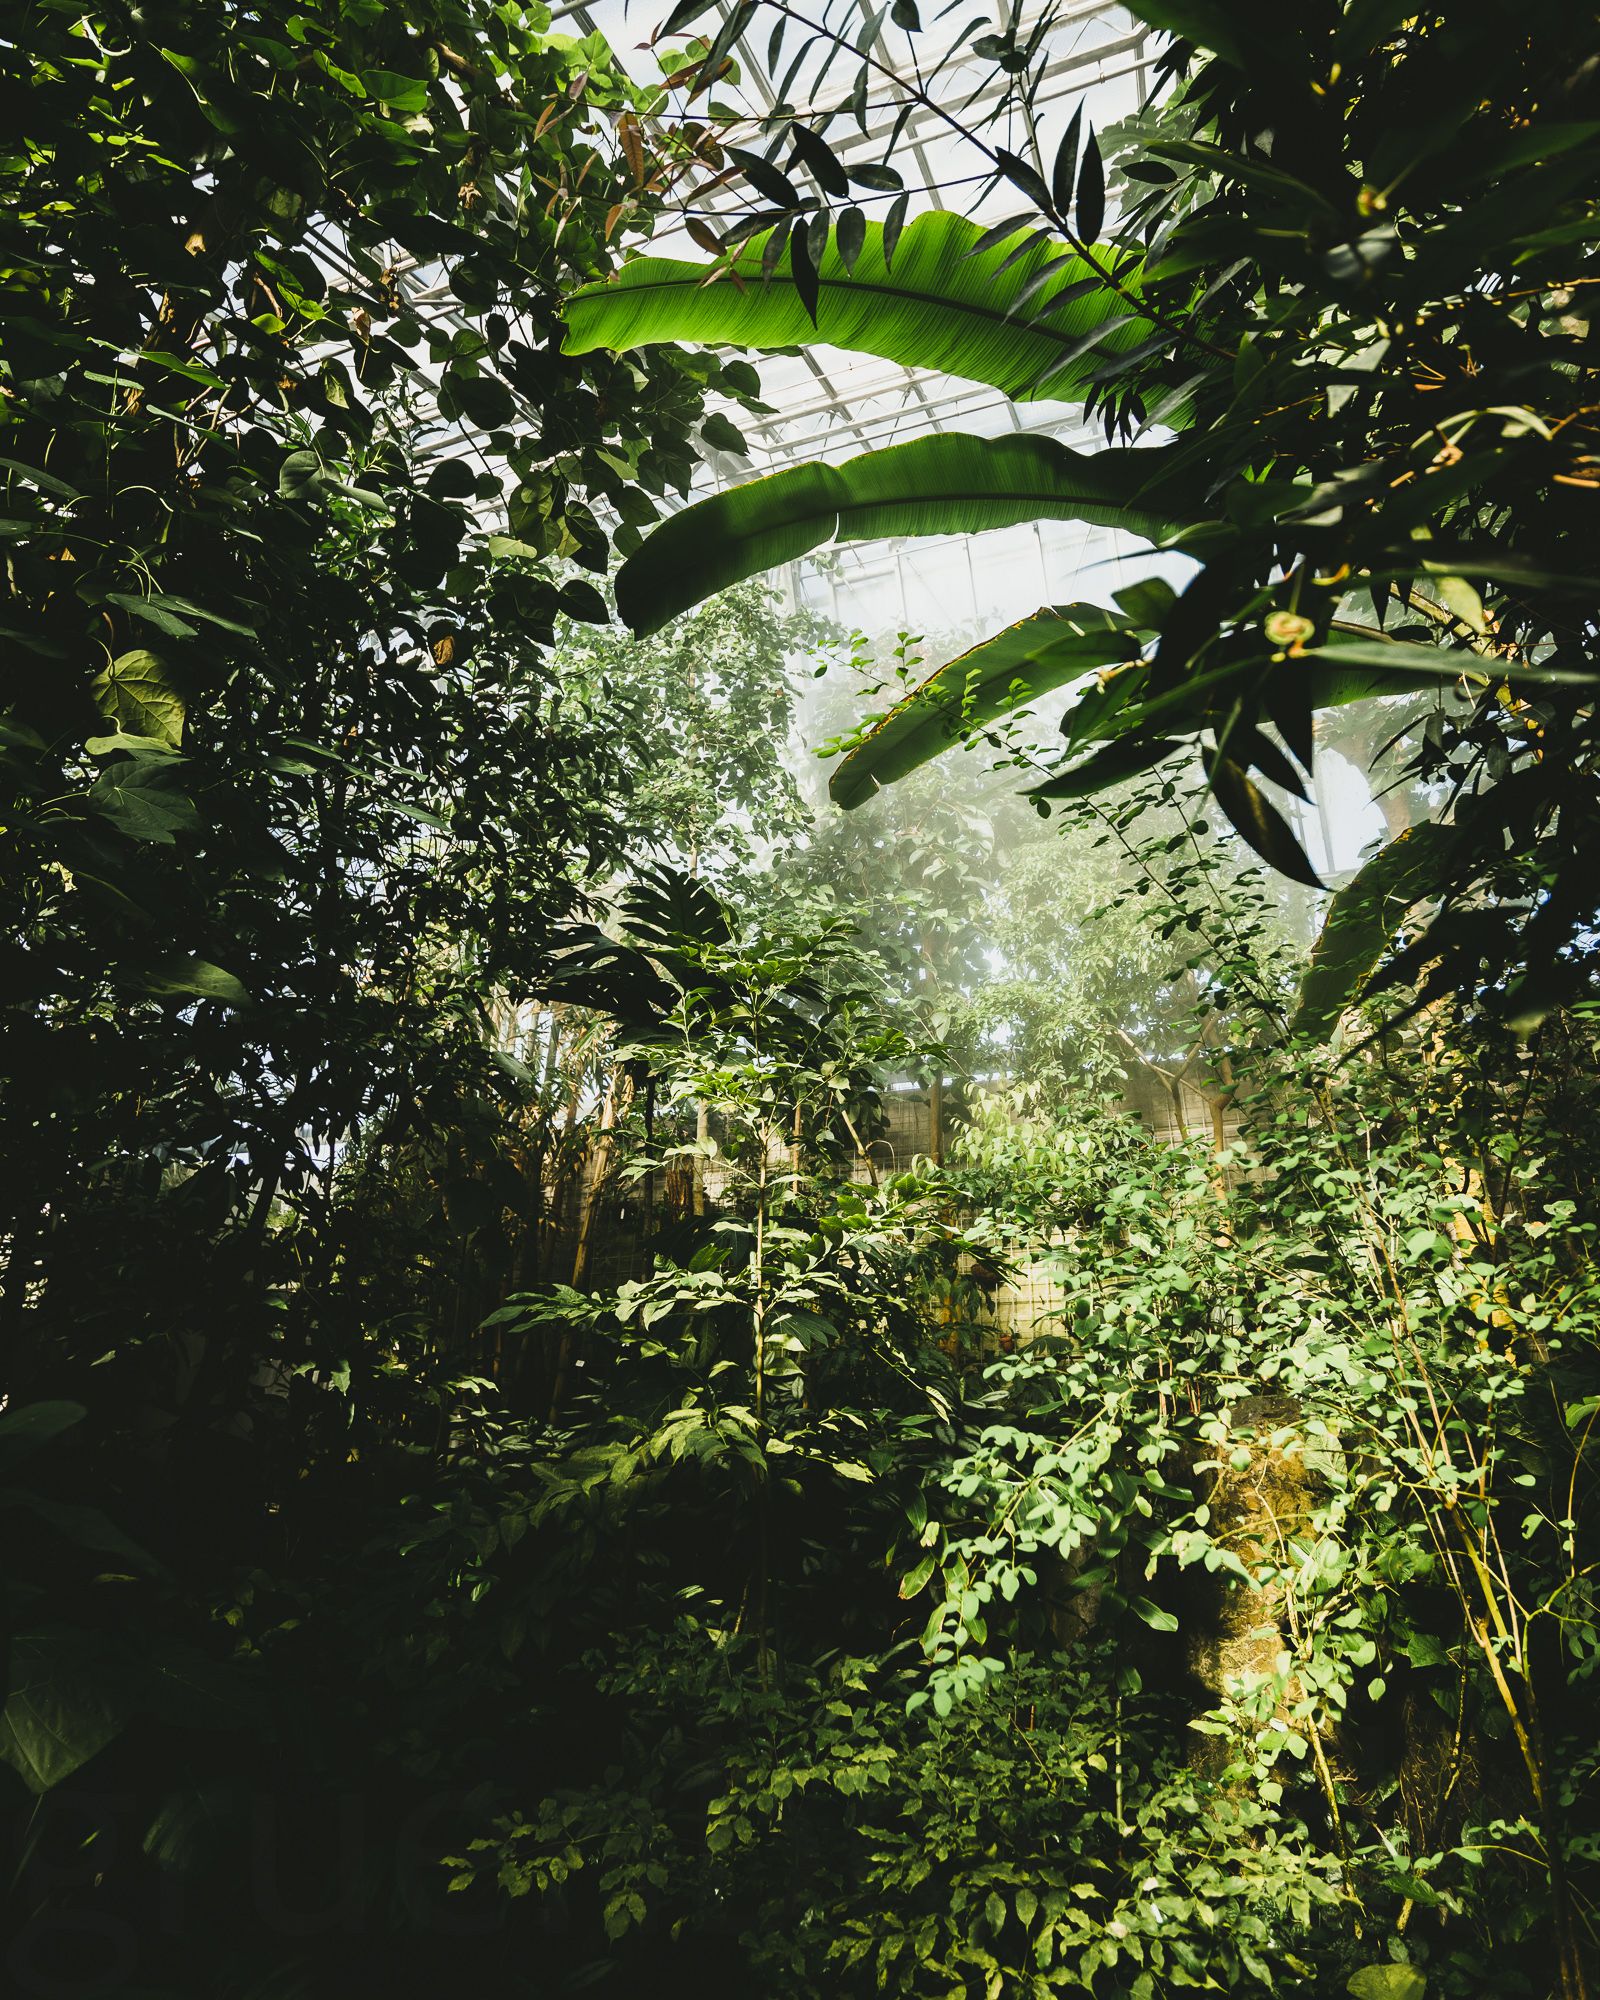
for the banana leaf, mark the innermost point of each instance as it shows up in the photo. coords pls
(947, 484)
(1028, 659)
(1362, 919)
(937, 307)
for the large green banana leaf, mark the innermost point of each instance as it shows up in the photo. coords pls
(948, 484)
(936, 307)
(1133, 726)
(1030, 658)
(1362, 919)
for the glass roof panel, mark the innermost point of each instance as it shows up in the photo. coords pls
(830, 405)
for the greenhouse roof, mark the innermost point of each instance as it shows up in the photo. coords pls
(827, 403)
(824, 403)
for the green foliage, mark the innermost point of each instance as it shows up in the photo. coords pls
(207, 327)
(296, 803)
(1361, 920)
(1387, 1982)
(1038, 1841)
(778, 1605)
(1086, 1547)
(62, 1705)
(709, 704)
(1351, 273)
(945, 484)
(291, 746)
(1231, 1493)
(1039, 654)
(951, 296)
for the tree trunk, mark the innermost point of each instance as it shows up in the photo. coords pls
(702, 1132)
(600, 1161)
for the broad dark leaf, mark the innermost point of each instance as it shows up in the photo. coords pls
(1286, 696)
(1193, 619)
(1364, 916)
(803, 269)
(681, 15)
(67, 1701)
(93, 1529)
(1091, 201)
(893, 223)
(1021, 175)
(850, 233)
(582, 601)
(1146, 603)
(820, 159)
(1126, 758)
(1258, 752)
(723, 435)
(1257, 820)
(483, 400)
(26, 1428)
(1063, 174)
(1213, 24)
(768, 181)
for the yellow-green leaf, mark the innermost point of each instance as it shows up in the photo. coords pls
(136, 693)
